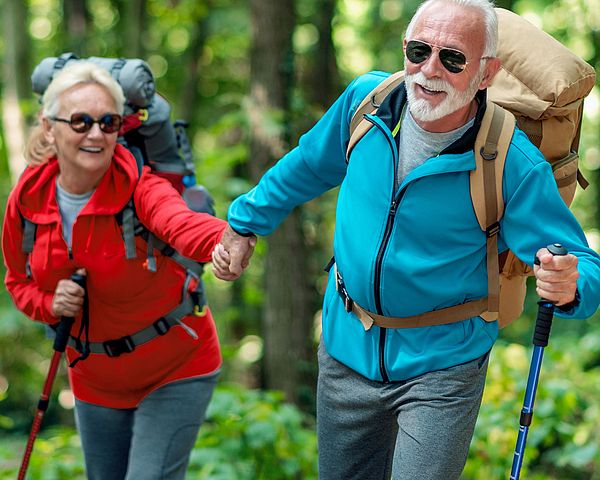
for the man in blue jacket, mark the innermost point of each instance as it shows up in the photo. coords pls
(404, 401)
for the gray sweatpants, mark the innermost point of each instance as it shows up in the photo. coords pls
(150, 442)
(419, 429)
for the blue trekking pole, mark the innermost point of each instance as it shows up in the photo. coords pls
(543, 325)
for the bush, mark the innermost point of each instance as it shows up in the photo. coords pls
(248, 434)
(564, 438)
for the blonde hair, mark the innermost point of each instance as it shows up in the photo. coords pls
(38, 150)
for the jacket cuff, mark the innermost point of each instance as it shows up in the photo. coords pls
(243, 234)
(569, 307)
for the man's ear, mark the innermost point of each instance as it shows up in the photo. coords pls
(491, 69)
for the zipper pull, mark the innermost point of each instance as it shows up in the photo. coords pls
(393, 208)
(70, 251)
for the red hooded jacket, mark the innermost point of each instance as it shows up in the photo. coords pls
(124, 297)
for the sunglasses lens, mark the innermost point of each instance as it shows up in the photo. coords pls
(417, 52)
(453, 60)
(110, 123)
(81, 122)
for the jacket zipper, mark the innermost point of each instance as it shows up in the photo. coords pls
(379, 259)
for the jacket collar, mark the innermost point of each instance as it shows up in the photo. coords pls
(392, 106)
(36, 189)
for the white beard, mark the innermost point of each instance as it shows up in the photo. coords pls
(423, 111)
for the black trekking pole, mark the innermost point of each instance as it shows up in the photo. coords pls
(60, 344)
(541, 335)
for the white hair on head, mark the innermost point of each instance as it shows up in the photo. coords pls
(486, 7)
(80, 72)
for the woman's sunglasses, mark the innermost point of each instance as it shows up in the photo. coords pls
(82, 122)
(453, 60)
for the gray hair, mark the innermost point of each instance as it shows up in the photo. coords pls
(486, 7)
(80, 72)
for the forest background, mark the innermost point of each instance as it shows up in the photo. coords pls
(250, 77)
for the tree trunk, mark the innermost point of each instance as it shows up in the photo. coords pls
(508, 4)
(133, 22)
(189, 93)
(76, 20)
(595, 174)
(324, 78)
(17, 85)
(288, 314)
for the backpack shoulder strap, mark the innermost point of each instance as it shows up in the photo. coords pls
(358, 125)
(491, 147)
(29, 230)
(127, 218)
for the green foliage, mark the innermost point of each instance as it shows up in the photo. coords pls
(254, 435)
(247, 435)
(564, 438)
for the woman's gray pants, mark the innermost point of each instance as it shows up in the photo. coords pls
(150, 442)
(419, 429)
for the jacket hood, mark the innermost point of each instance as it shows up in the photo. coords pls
(36, 190)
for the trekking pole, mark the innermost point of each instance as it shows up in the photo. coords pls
(541, 335)
(60, 344)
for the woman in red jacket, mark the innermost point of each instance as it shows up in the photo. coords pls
(145, 365)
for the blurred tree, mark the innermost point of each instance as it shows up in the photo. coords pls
(76, 20)
(508, 4)
(132, 23)
(323, 78)
(287, 317)
(193, 56)
(16, 85)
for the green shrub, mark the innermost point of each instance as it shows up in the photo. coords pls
(564, 438)
(247, 434)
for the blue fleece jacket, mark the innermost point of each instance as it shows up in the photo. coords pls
(415, 247)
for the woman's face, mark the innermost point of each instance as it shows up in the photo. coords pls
(84, 155)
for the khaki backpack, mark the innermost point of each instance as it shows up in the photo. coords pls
(542, 87)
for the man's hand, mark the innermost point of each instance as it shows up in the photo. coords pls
(68, 297)
(232, 256)
(556, 277)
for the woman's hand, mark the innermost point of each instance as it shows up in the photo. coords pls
(68, 297)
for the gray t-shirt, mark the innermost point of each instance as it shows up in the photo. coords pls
(69, 205)
(417, 145)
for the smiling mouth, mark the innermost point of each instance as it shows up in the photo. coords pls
(91, 149)
(430, 92)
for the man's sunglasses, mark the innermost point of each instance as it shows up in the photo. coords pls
(82, 122)
(453, 60)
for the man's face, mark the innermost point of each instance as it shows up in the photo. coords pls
(438, 98)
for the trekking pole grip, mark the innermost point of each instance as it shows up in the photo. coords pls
(543, 322)
(66, 323)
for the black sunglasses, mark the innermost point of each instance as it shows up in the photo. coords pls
(82, 122)
(453, 60)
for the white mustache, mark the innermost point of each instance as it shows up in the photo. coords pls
(434, 84)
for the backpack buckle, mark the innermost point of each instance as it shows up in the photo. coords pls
(488, 156)
(341, 289)
(114, 348)
(161, 326)
(492, 230)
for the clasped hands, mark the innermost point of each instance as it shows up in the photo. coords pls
(232, 255)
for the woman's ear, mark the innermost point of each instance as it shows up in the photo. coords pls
(47, 128)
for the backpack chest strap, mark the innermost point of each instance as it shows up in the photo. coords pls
(128, 343)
